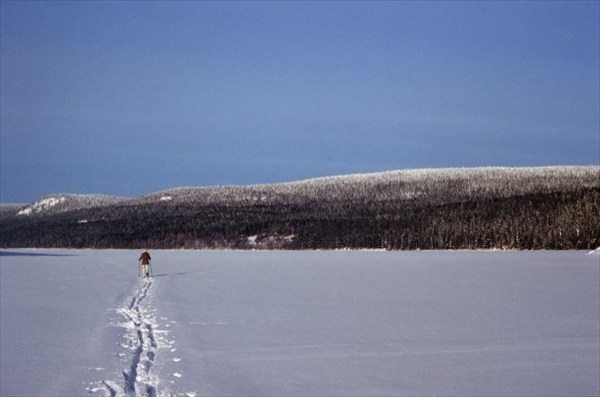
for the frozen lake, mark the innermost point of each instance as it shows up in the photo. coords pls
(75, 322)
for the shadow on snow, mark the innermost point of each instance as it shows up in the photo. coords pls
(10, 253)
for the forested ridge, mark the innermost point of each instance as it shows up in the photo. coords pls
(470, 208)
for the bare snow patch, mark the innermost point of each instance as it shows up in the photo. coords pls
(252, 240)
(595, 252)
(64, 202)
(42, 205)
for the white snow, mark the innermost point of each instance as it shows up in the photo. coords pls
(42, 205)
(65, 202)
(299, 323)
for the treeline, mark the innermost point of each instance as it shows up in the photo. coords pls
(560, 220)
(502, 212)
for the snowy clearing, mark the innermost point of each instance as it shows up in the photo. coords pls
(76, 322)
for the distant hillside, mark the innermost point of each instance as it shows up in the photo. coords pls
(60, 203)
(467, 208)
(9, 209)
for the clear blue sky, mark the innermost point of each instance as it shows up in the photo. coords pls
(127, 98)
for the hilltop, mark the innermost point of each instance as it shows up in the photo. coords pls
(507, 208)
(64, 202)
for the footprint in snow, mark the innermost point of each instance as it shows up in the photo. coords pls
(177, 374)
(176, 359)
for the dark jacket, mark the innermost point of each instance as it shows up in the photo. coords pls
(145, 258)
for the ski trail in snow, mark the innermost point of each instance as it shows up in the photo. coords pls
(138, 378)
(142, 341)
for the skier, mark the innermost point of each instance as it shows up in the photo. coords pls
(145, 262)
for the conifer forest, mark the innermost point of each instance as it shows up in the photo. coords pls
(468, 208)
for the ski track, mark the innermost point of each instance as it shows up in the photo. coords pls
(139, 379)
(143, 341)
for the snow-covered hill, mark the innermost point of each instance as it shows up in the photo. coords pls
(66, 202)
(508, 208)
(9, 209)
(437, 184)
(440, 184)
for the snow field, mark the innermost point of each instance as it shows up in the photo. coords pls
(77, 322)
(142, 340)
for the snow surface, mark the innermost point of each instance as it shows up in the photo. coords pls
(76, 322)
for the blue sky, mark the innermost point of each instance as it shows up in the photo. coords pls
(127, 98)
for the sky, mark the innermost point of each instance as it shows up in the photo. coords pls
(128, 98)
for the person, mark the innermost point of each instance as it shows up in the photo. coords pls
(145, 261)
